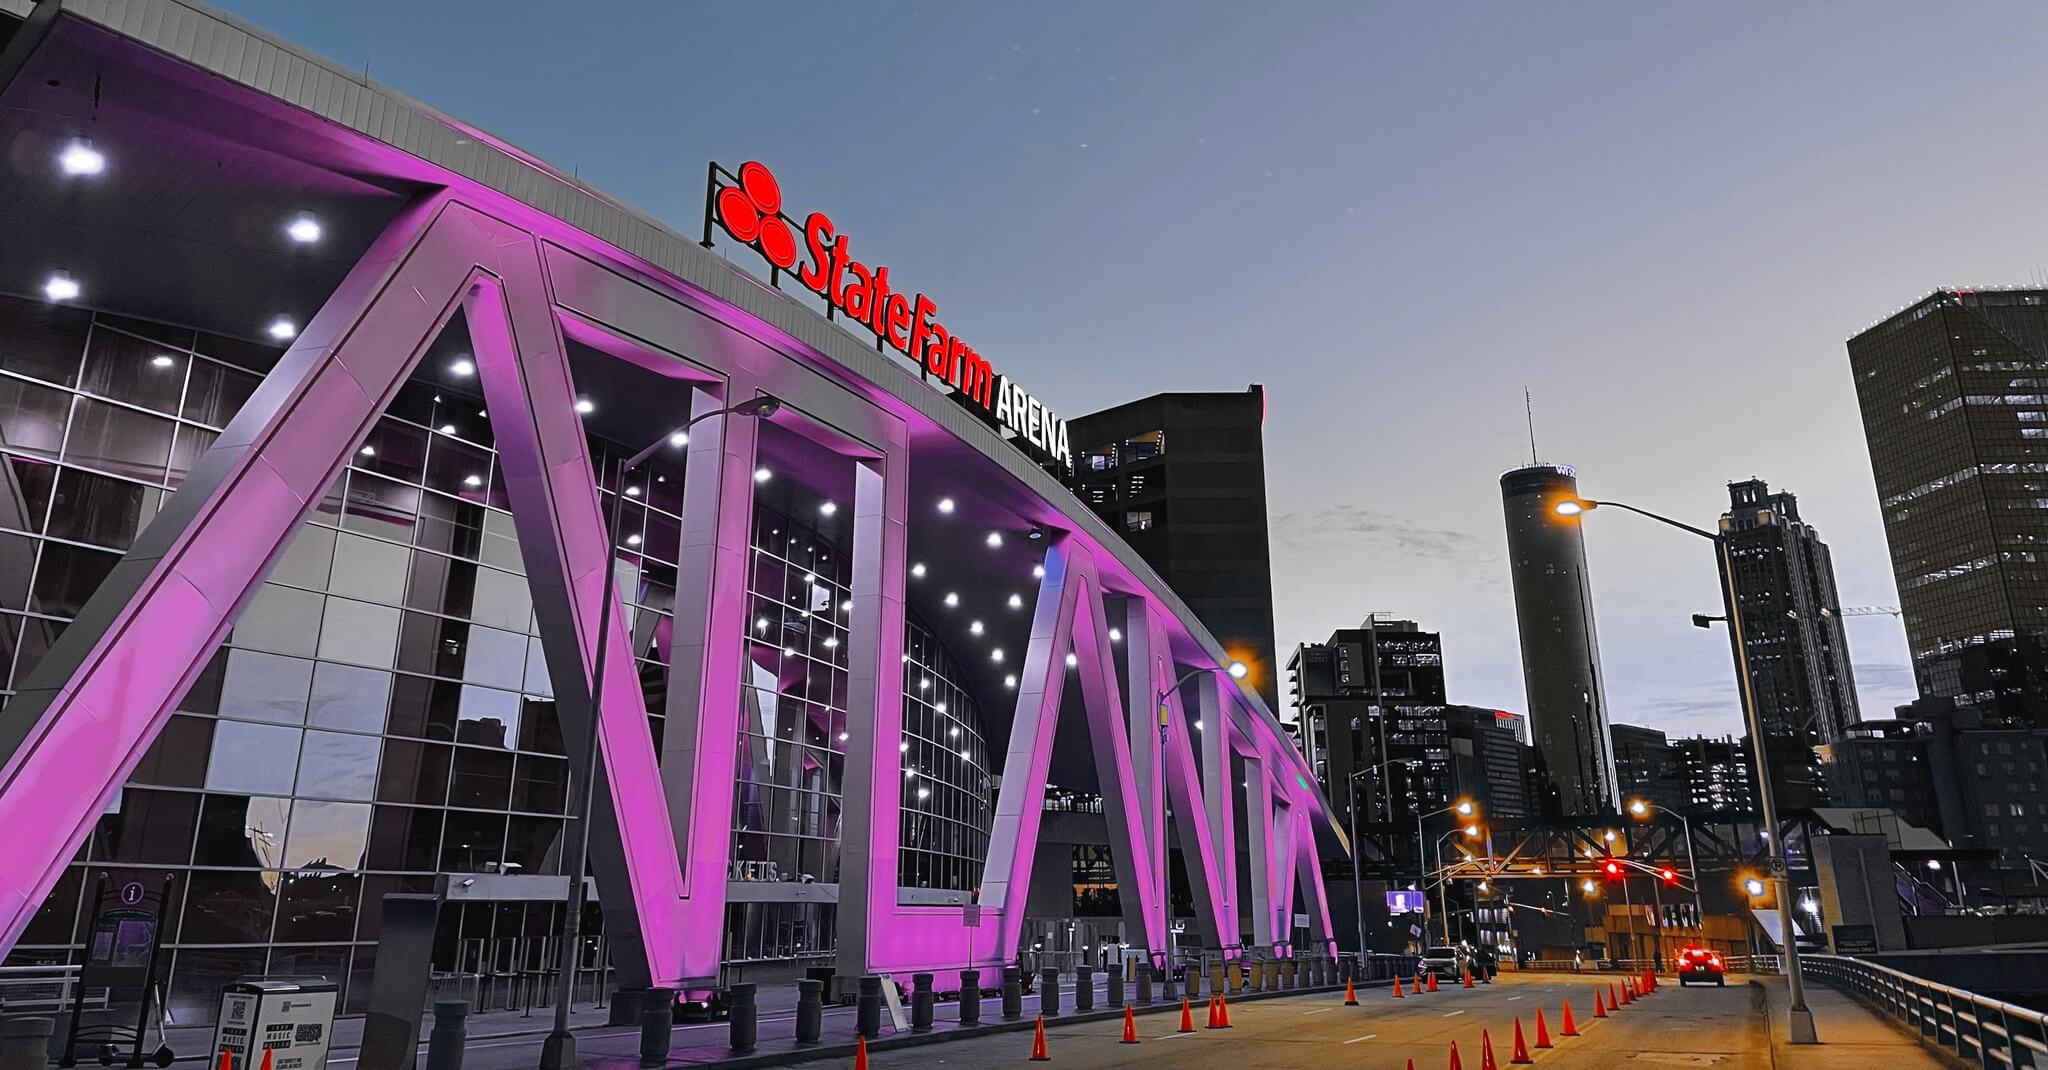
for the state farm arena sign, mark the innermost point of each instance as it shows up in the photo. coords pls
(747, 204)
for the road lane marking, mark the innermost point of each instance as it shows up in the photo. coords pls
(1361, 1040)
(1170, 1036)
(1454, 1014)
(1320, 1010)
(1511, 999)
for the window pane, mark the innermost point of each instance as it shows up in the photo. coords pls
(414, 772)
(381, 507)
(32, 417)
(315, 906)
(533, 845)
(540, 784)
(187, 448)
(281, 620)
(27, 490)
(502, 600)
(215, 393)
(350, 698)
(336, 765)
(265, 687)
(98, 509)
(151, 827)
(328, 835)
(473, 843)
(495, 658)
(178, 756)
(246, 758)
(359, 632)
(423, 708)
(450, 526)
(457, 468)
(483, 779)
(201, 972)
(368, 569)
(405, 838)
(232, 907)
(489, 717)
(67, 576)
(42, 340)
(133, 370)
(117, 440)
(17, 562)
(306, 559)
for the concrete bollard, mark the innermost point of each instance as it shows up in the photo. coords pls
(922, 997)
(25, 1043)
(1013, 993)
(1116, 983)
(449, 1036)
(970, 997)
(743, 1029)
(1216, 975)
(1144, 984)
(1084, 989)
(657, 1024)
(1254, 975)
(867, 1013)
(1049, 991)
(810, 1011)
(1272, 975)
(1237, 977)
(1194, 981)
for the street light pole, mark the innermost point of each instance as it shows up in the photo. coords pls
(1800, 1018)
(1237, 671)
(558, 1051)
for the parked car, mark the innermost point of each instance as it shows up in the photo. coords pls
(1445, 962)
(1703, 965)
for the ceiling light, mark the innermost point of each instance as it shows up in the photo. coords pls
(586, 406)
(832, 643)
(472, 481)
(910, 774)
(679, 439)
(789, 652)
(303, 229)
(925, 684)
(80, 159)
(1038, 572)
(903, 747)
(810, 577)
(974, 628)
(924, 793)
(964, 755)
(995, 538)
(917, 570)
(827, 509)
(447, 429)
(1016, 601)
(282, 328)
(762, 475)
(846, 606)
(996, 655)
(760, 624)
(1198, 724)
(1036, 533)
(632, 540)
(1072, 660)
(162, 360)
(1010, 681)
(945, 505)
(462, 367)
(632, 492)
(953, 732)
(952, 599)
(61, 287)
(368, 451)
(1116, 635)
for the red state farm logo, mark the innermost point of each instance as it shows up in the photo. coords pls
(751, 212)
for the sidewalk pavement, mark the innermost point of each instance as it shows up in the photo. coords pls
(1853, 1037)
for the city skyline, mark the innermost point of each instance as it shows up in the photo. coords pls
(1726, 236)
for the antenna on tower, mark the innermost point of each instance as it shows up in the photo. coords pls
(1529, 407)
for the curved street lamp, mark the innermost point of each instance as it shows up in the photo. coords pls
(1237, 670)
(1800, 1018)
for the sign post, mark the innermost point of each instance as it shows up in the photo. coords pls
(120, 953)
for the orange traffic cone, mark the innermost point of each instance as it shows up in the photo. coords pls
(227, 1060)
(1542, 1030)
(1432, 982)
(1521, 1053)
(1486, 1051)
(1468, 978)
(1398, 994)
(266, 1059)
(1038, 1052)
(1350, 994)
(1626, 999)
(1411, 1064)
(1455, 1064)
(1223, 1005)
(1613, 1002)
(1570, 1028)
(1130, 1026)
(1187, 1016)
(860, 1053)
(1599, 1008)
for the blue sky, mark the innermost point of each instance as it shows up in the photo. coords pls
(1663, 219)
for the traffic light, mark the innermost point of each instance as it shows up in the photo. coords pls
(1613, 870)
(1669, 875)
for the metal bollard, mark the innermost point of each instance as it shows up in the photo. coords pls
(25, 1042)
(970, 997)
(1013, 993)
(867, 1014)
(1084, 989)
(745, 1026)
(1291, 974)
(810, 1010)
(1116, 983)
(1166, 987)
(449, 1036)
(657, 1023)
(1049, 991)
(921, 1000)
(1144, 984)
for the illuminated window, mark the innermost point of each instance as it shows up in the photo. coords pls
(1138, 520)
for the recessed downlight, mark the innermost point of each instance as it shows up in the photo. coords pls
(80, 160)
(61, 287)
(303, 229)
(462, 367)
(282, 328)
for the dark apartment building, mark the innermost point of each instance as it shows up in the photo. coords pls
(1183, 476)
(1489, 762)
(1718, 772)
(1646, 768)
(1370, 702)
(1954, 394)
(1792, 628)
(1560, 649)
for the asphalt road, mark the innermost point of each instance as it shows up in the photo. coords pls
(1698, 1026)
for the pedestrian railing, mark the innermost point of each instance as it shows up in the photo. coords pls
(43, 988)
(1990, 1032)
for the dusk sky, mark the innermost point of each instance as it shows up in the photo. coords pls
(1663, 219)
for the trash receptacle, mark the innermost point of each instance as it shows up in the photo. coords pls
(291, 1019)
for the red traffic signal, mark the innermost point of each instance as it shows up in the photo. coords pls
(1612, 870)
(1670, 875)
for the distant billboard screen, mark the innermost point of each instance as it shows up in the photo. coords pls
(1405, 901)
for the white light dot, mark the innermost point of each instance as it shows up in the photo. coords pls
(964, 753)
(632, 540)
(995, 538)
(827, 509)
(585, 406)
(304, 229)
(462, 367)
(832, 643)
(61, 287)
(1016, 601)
(80, 159)
(910, 774)
(917, 570)
(996, 655)
(1116, 635)
(762, 475)
(472, 481)
(1198, 724)
(447, 429)
(924, 793)
(842, 737)
(1010, 681)
(368, 451)
(925, 684)
(974, 628)
(952, 599)
(904, 746)
(162, 360)
(679, 439)
(1038, 572)
(282, 328)
(945, 505)
(846, 606)
(789, 652)
(810, 577)
(632, 492)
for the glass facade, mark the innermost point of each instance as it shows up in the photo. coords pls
(381, 712)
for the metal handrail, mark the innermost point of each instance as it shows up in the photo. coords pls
(1990, 1032)
(47, 987)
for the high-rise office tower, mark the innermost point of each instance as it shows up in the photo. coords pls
(1183, 476)
(1370, 702)
(1718, 773)
(1792, 625)
(1646, 768)
(1560, 652)
(1954, 393)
